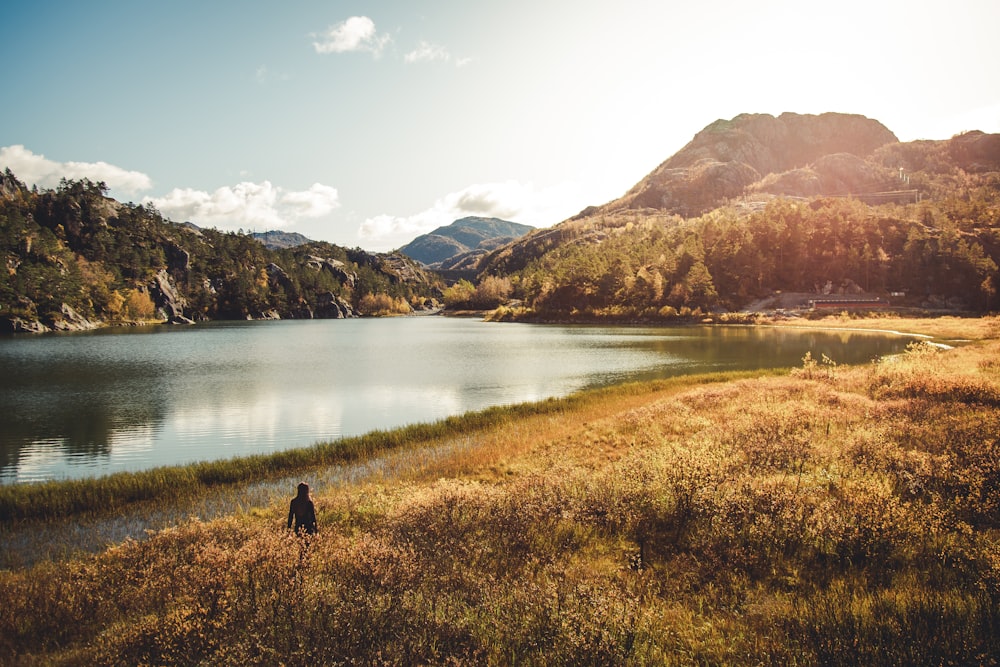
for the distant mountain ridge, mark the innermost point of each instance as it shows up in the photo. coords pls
(797, 155)
(451, 245)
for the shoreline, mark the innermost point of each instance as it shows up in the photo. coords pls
(829, 323)
(225, 472)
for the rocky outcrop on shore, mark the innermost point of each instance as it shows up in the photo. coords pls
(66, 320)
(167, 299)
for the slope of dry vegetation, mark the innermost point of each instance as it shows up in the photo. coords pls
(830, 516)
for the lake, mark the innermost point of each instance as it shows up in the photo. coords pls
(83, 405)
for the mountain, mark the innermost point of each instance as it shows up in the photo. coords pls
(807, 204)
(453, 243)
(729, 155)
(77, 259)
(278, 240)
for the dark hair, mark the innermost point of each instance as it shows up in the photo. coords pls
(303, 490)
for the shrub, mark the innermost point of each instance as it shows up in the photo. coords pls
(382, 304)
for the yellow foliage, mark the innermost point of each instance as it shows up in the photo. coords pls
(115, 305)
(138, 305)
(459, 294)
(383, 304)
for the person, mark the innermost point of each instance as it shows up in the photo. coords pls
(303, 511)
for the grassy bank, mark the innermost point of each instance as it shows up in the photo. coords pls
(60, 499)
(828, 516)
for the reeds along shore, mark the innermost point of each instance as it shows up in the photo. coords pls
(831, 515)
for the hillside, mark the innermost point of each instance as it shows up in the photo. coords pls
(451, 246)
(818, 205)
(77, 259)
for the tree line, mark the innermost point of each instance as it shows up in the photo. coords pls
(649, 264)
(73, 246)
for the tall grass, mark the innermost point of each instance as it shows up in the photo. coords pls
(811, 518)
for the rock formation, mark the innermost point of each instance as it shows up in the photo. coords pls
(335, 267)
(167, 299)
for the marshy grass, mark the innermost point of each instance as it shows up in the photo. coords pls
(809, 518)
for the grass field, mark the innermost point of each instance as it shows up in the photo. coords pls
(831, 515)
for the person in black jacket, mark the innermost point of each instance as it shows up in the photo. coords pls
(303, 511)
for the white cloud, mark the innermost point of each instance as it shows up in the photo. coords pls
(355, 34)
(427, 52)
(510, 200)
(317, 201)
(260, 206)
(358, 33)
(38, 170)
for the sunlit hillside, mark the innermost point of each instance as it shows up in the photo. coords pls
(77, 259)
(822, 206)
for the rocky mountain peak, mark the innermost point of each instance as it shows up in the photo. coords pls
(729, 155)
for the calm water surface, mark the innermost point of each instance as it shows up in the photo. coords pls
(83, 405)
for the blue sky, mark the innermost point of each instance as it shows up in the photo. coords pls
(369, 123)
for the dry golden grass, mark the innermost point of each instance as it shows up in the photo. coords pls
(830, 516)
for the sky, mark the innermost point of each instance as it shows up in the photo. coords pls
(366, 124)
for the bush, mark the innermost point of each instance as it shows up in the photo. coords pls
(382, 304)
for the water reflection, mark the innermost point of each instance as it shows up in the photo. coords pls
(88, 404)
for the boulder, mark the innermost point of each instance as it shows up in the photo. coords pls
(278, 277)
(71, 320)
(400, 269)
